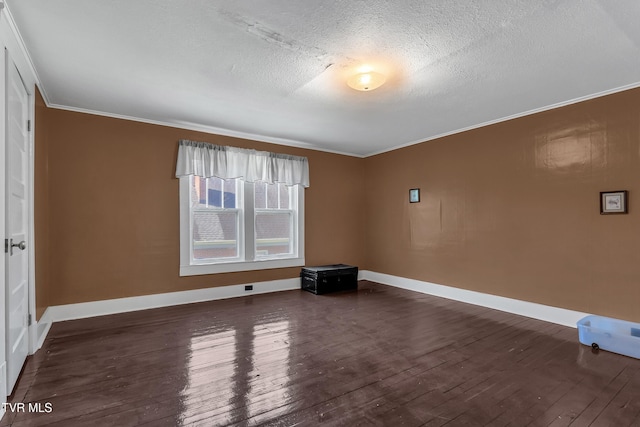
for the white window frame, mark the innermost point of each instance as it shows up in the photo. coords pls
(293, 195)
(188, 267)
(238, 210)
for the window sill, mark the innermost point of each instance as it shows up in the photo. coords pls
(230, 267)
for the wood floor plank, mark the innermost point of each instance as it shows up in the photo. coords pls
(379, 356)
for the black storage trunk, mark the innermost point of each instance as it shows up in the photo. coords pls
(329, 278)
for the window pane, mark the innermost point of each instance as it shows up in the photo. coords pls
(273, 233)
(272, 196)
(214, 192)
(215, 234)
(260, 190)
(285, 200)
(198, 192)
(230, 193)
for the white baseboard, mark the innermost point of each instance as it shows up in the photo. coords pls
(547, 313)
(42, 329)
(83, 310)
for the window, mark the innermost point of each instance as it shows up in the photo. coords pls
(239, 224)
(215, 219)
(274, 220)
(233, 225)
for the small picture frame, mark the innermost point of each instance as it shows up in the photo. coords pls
(613, 202)
(414, 195)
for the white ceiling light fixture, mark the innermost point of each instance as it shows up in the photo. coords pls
(366, 80)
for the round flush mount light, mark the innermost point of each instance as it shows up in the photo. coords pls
(366, 80)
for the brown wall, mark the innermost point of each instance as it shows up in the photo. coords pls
(512, 209)
(107, 209)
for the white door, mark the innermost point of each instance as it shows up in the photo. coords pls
(16, 251)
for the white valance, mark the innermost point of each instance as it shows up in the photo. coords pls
(209, 160)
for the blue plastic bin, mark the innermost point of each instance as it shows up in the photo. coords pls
(618, 336)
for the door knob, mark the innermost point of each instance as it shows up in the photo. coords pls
(22, 246)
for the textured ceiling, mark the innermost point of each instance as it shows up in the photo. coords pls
(276, 71)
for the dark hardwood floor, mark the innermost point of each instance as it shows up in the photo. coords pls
(379, 356)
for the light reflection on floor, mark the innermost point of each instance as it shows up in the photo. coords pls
(271, 364)
(238, 374)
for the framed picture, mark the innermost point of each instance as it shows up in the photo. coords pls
(414, 195)
(613, 202)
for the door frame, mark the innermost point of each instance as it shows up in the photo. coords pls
(12, 50)
(3, 273)
(22, 228)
